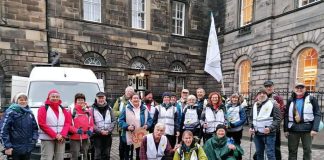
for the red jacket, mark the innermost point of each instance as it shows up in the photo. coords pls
(41, 117)
(80, 118)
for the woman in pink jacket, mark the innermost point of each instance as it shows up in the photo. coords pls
(81, 127)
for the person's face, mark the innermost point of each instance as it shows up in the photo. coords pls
(149, 97)
(300, 90)
(269, 89)
(135, 100)
(234, 100)
(220, 133)
(200, 94)
(129, 93)
(187, 139)
(158, 132)
(101, 100)
(166, 99)
(173, 99)
(80, 101)
(214, 99)
(191, 101)
(54, 97)
(262, 96)
(22, 101)
(184, 95)
(1, 115)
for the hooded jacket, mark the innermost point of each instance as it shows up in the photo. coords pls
(81, 118)
(19, 130)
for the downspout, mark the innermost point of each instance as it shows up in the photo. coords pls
(47, 32)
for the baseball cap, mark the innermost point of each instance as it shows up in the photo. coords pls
(268, 83)
(185, 91)
(100, 94)
(299, 84)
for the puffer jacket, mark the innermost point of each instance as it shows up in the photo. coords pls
(81, 118)
(19, 130)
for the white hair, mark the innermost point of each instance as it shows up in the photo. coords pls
(160, 125)
(192, 97)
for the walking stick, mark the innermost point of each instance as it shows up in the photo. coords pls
(251, 139)
(81, 138)
(81, 156)
(265, 146)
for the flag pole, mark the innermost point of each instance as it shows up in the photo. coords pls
(223, 88)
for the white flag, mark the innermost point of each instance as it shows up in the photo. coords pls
(213, 60)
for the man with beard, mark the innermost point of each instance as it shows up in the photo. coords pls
(151, 106)
(266, 120)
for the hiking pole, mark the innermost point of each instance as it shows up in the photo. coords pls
(251, 139)
(265, 145)
(80, 138)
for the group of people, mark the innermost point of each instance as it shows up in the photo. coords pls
(173, 129)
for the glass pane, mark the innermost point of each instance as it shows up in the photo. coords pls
(307, 68)
(244, 76)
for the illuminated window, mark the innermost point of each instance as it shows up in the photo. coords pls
(306, 2)
(307, 68)
(244, 76)
(138, 14)
(246, 12)
(92, 10)
(178, 15)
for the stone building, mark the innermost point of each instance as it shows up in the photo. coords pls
(273, 39)
(159, 45)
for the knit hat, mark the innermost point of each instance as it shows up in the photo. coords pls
(147, 93)
(262, 90)
(221, 126)
(51, 92)
(19, 95)
(166, 94)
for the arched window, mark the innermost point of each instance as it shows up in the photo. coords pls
(244, 76)
(177, 68)
(138, 65)
(92, 61)
(307, 68)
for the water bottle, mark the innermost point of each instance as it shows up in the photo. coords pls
(230, 141)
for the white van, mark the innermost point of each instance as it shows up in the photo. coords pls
(67, 81)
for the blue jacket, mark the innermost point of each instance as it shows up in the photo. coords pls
(124, 125)
(19, 130)
(242, 116)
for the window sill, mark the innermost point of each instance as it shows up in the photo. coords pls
(244, 30)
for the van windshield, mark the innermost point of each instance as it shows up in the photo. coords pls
(38, 92)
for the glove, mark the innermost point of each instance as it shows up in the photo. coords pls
(89, 133)
(79, 131)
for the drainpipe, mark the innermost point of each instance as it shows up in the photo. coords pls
(47, 31)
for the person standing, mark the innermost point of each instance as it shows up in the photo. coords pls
(182, 103)
(278, 101)
(54, 122)
(167, 114)
(156, 145)
(236, 118)
(81, 128)
(119, 105)
(104, 120)
(151, 107)
(191, 117)
(19, 132)
(201, 100)
(134, 116)
(173, 99)
(266, 120)
(302, 119)
(212, 115)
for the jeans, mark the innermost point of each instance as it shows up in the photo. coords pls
(265, 142)
(278, 144)
(102, 146)
(293, 141)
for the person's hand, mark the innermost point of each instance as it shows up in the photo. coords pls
(313, 133)
(131, 128)
(286, 134)
(266, 130)
(89, 133)
(252, 131)
(8, 151)
(177, 134)
(62, 140)
(103, 132)
(59, 137)
(79, 131)
(205, 125)
(145, 126)
(231, 147)
(176, 147)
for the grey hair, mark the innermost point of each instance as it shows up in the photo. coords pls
(192, 97)
(130, 88)
(159, 125)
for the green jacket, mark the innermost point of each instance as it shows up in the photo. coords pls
(187, 155)
(216, 149)
(119, 100)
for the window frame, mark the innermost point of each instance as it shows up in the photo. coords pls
(135, 11)
(308, 3)
(175, 19)
(311, 77)
(242, 13)
(240, 76)
(94, 6)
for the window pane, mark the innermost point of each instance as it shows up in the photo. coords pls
(246, 11)
(92, 10)
(178, 18)
(307, 68)
(138, 14)
(244, 76)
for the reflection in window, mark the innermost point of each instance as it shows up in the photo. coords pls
(307, 68)
(92, 61)
(246, 12)
(244, 76)
(138, 65)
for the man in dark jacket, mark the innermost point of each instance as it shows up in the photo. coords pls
(266, 120)
(302, 118)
